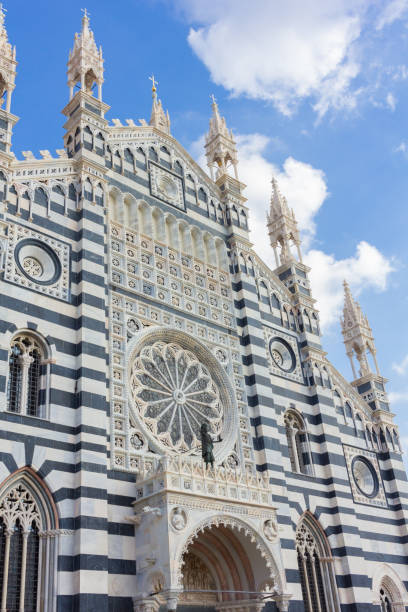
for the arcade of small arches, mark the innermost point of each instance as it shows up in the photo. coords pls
(167, 229)
(72, 193)
(377, 437)
(298, 320)
(126, 161)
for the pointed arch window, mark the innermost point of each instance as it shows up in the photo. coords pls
(27, 546)
(27, 387)
(300, 454)
(385, 601)
(316, 570)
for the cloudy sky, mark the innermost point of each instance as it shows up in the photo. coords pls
(316, 94)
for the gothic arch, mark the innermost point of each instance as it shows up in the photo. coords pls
(144, 215)
(300, 454)
(238, 532)
(29, 530)
(386, 578)
(116, 205)
(29, 373)
(316, 570)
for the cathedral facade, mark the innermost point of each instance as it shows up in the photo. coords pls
(133, 309)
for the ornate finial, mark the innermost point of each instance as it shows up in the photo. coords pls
(213, 99)
(154, 83)
(86, 14)
(3, 12)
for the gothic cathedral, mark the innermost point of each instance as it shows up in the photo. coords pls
(133, 309)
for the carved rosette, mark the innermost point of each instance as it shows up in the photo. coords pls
(176, 384)
(175, 394)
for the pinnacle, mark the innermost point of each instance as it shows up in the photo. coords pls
(279, 204)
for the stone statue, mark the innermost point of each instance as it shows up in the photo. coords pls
(207, 445)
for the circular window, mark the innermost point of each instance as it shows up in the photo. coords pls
(37, 261)
(365, 476)
(177, 384)
(282, 354)
(167, 186)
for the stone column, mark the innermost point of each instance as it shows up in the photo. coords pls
(25, 361)
(142, 603)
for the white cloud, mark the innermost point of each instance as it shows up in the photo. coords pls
(398, 397)
(391, 101)
(401, 368)
(306, 191)
(401, 148)
(332, 54)
(366, 268)
(279, 51)
(393, 10)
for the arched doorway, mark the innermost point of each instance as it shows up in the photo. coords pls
(389, 592)
(225, 564)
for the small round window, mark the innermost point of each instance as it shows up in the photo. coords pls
(282, 354)
(365, 476)
(37, 261)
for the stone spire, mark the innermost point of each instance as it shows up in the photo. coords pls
(282, 227)
(158, 119)
(357, 334)
(7, 63)
(85, 64)
(220, 146)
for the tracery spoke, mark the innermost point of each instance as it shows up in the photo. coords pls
(175, 393)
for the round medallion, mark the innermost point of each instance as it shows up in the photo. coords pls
(167, 187)
(365, 476)
(282, 354)
(32, 267)
(177, 384)
(37, 261)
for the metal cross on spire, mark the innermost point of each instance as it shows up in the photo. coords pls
(85, 18)
(154, 82)
(213, 99)
(3, 12)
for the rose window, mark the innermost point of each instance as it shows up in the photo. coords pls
(277, 357)
(32, 266)
(174, 394)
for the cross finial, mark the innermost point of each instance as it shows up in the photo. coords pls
(154, 82)
(3, 12)
(86, 14)
(213, 98)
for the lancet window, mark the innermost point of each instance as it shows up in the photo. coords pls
(298, 443)
(316, 568)
(28, 375)
(386, 601)
(27, 557)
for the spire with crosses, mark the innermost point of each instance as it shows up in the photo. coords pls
(220, 146)
(359, 342)
(85, 64)
(8, 63)
(282, 227)
(357, 334)
(158, 119)
(8, 66)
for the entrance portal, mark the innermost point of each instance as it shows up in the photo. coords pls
(224, 568)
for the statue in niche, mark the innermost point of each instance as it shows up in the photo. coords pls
(207, 446)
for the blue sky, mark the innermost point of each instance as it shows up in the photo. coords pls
(316, 96)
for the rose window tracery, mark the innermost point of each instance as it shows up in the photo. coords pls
(174, 394)
(32, 267)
